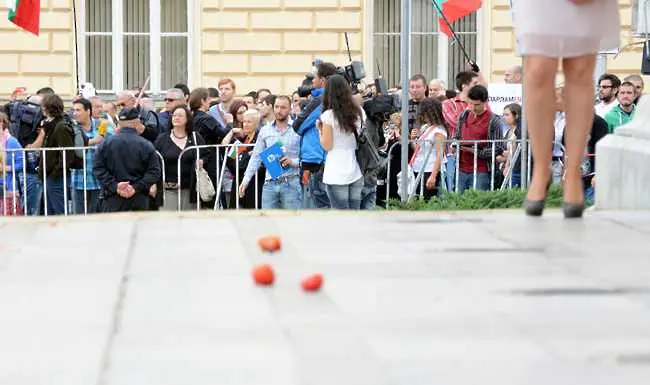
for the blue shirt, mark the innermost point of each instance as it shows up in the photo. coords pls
(268, 136)
(12, 159)
(92, 183)
(216, 111)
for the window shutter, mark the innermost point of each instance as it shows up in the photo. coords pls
(99, 43)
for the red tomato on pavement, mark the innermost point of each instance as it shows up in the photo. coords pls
(263, 274)
(270, 243)
(312, 282)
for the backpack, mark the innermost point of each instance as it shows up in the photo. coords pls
(80, 139)
(368, 156)
(24, 121)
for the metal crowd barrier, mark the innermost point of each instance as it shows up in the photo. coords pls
(450, 143)
(220, 171)
(31, 155)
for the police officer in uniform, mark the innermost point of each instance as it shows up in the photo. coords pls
(127, 167)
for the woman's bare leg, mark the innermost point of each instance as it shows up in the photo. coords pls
(539, 104)
(579, 102)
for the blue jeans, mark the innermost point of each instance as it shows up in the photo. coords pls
(590, 194)
(34, 192)
(466, 181)
(284, 193)
(369, 192)
(450, 169)
(92, 201)
(318, 190)
(347, 196)
(516, 179)
(55, 201)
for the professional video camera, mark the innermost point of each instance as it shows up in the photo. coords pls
(354, 73)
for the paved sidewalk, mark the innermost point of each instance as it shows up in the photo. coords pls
(409, 299)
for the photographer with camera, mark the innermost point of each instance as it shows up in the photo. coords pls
(312, 154)
(25, 117)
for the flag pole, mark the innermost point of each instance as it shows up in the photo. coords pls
(76, 42)
(405, 61)
(453, 32)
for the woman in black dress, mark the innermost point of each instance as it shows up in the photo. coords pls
(211, 130)
(170, 145)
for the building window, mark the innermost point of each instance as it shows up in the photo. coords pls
(126, 41)
(431, 52)
(640, 17)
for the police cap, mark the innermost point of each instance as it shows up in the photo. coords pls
(128, 114)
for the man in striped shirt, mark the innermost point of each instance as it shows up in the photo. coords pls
(452, 109)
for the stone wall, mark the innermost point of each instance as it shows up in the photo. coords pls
(258, 43)
(34, 62)
(271, 43)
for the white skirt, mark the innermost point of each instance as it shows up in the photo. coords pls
(561, 29)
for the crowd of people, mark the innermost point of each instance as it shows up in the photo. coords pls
(208, 148)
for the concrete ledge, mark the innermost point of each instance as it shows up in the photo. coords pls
(622, 164)
(623, 173)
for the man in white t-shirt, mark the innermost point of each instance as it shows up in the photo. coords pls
(607, 89)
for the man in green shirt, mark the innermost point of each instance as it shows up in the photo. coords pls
(624, 111)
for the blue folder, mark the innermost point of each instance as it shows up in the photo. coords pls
(271, 159)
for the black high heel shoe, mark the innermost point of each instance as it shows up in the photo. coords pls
(573, 210)
(535, 208)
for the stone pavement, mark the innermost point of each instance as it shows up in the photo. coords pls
(409, 298)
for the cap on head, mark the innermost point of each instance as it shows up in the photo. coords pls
(127, 114)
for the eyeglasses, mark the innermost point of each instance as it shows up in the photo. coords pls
(605, 87)
(170, 100)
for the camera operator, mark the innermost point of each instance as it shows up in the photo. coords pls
(25, 117)
(312, 154)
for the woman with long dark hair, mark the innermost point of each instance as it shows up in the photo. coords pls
(429, 147)
(339, 125)
(170, 146)
(512, 118)
(59, 133)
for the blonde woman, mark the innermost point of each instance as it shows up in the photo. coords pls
(246, 136)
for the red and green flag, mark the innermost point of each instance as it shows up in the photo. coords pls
(26, 14)
(455, 10)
